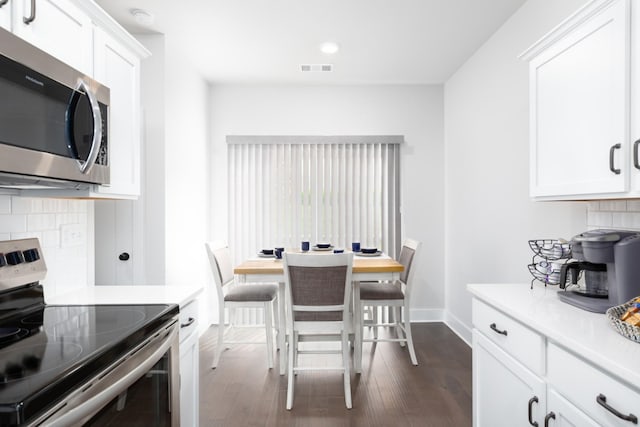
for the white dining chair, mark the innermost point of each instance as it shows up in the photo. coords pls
(232, 295)
(394, 295)
(318, 294)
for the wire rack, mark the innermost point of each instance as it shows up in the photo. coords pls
(548, 257)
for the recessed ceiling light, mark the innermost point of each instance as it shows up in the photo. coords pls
(329, 48)
(142, 17)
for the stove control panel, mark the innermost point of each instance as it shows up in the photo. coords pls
(21, 262)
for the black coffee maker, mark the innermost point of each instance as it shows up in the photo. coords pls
(609, 260)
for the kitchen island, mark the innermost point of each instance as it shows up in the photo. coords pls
(537, 359)
(186, 298)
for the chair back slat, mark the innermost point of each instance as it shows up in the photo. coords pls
(406, 259)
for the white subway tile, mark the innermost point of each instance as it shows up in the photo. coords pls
(633, 205)
(622, 220)
(41, 222)
(62, 205)
(27, 235)
(13, 223)
(5, 204)
(36, 205)
(613, 205)
(49, 205)
(593, 205)
(20, 205)
(599, 219)
(50, 239)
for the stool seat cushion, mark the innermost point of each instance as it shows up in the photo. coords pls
(381, 291)
(252, 292)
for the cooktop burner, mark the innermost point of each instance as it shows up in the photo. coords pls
(12, 334)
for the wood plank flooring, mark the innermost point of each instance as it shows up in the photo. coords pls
(389, 392)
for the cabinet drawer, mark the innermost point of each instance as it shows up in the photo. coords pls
(581, 383)
(188, 320)
(524, 344)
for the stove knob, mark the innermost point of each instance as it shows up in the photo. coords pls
(14, 258)
(31, 255)
(3, 261)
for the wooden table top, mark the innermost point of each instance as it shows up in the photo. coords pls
(360, 265)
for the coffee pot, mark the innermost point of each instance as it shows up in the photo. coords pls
(609, 261)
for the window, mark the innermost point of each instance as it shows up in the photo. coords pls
(333, 189)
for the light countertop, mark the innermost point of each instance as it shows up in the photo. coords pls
(586, 334)
(180, 295)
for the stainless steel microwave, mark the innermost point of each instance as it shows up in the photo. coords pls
(54, 121)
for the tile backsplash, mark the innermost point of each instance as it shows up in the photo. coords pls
(65, 230)
(619, 214)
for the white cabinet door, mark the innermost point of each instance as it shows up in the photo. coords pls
(5, 14)
(504, 391)
(579, 109)
(58, 27)
(561, 413)
(119, 69)
(189, 383)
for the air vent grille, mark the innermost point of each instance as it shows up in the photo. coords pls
(316, 68)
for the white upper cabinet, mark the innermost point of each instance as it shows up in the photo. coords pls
(58, 27)
(579, 77)
(5, 14)
(118, 68)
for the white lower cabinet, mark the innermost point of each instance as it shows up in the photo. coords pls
(5, 14)
(517, 384)
(189, 365)
(504, 391)
(564, 414)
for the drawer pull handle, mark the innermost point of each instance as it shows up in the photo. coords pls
(533, 400)
(32, 17)
(550, 415)
(3, 2)
(189, 322)
(636, 163)
(612, 166)
(493, 326)
(602, 401)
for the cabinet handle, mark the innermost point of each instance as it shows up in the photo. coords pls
(533, 400)
(3, 2)
(612, 166)
(29, 19)
(550, 415)
(636, 163)
(124, 256)
(493, 326)
(602, 401)
(189, 322)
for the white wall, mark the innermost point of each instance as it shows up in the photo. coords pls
(489, 216)
(412, 111)
(65, 230)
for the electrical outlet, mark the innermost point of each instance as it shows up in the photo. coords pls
(72, 235)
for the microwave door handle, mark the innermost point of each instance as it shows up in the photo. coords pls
(94, 404)
(86, 166)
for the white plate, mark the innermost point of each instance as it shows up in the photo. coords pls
(315, 248)
(261, 255)
(377, 253)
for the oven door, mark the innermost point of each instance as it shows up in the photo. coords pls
(142, 388)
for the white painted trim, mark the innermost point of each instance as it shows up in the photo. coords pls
(315, 139)
(458, 327)
(427, 315)
(583, 14)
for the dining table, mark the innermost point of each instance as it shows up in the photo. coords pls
(271, 269)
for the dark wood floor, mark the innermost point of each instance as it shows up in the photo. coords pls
(389, 392)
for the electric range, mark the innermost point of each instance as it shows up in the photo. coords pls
(49, 354)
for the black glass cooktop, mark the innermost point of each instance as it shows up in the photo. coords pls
(46, 351)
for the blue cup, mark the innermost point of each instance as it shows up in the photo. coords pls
(278, 252)
(305, 246)
(355, 246)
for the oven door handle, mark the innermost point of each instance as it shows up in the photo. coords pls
(80, 413)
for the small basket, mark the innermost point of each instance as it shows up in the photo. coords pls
(550, 249)
(625, 329)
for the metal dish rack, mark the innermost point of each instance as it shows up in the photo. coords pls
(546, 253)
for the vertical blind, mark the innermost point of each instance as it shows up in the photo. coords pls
(331, 189)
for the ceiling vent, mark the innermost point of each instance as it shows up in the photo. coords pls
(316, 67)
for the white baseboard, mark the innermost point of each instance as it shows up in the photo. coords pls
(458, 327)
(425, 315)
